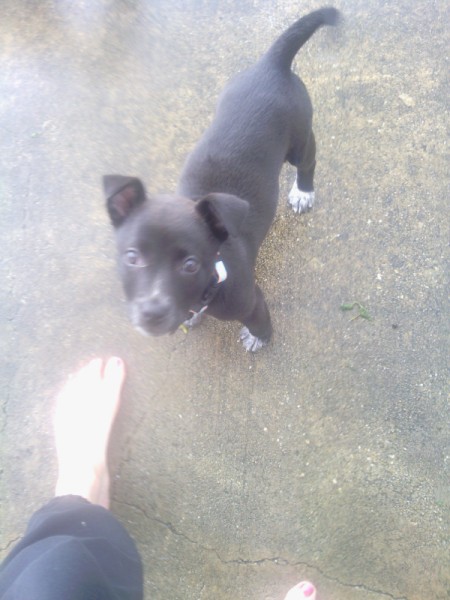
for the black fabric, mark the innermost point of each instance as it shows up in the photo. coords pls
(72, 550)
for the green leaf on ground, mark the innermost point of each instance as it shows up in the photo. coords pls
(362, 311)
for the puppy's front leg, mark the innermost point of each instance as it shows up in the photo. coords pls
(257, 329)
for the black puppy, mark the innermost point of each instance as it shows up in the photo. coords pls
(193, 252)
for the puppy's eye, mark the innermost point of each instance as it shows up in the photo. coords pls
(190, 265)
(132, 258)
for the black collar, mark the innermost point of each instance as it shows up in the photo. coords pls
(217, 278)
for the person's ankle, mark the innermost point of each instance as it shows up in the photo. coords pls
(92, 484)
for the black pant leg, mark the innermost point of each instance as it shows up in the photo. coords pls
(73, 550)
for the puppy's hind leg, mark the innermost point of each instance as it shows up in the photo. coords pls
(257, 329)
(301, 196)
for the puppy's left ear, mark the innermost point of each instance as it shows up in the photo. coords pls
(223, 213)
(122, 194)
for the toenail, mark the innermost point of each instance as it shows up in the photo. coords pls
(307, 589)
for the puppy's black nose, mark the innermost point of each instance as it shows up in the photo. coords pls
(154, 311)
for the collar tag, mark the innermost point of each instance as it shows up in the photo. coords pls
(220, 271)
(196, 313)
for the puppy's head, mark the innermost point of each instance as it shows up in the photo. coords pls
(168, 247)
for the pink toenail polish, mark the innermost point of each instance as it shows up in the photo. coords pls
(308, 589)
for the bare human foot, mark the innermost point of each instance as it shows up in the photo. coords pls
(302, 591)
(85, 412)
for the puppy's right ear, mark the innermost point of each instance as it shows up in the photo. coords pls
(122, 194)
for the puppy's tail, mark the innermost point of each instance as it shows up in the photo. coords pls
(283, 50)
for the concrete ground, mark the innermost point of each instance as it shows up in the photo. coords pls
(325, 456)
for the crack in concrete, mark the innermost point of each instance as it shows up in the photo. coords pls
(10, 543)
(13, 318)
(357, 586)
(5, 412)
(277, 560)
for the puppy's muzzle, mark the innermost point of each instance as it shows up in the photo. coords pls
(154, 315)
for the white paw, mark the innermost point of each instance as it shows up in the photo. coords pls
(300, 201)
(251, 342)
